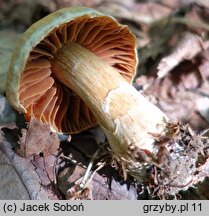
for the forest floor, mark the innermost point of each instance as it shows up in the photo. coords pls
(173, 73)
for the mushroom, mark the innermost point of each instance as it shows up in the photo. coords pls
(73, 69)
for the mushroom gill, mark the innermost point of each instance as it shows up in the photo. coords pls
(45, 97)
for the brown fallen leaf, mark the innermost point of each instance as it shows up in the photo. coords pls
(202, 3)
(175, 94)
(18, 178)
(97, 188)
(188, 47)
(139, 12)
(113, 190)
(38, 138)
(45, 168)
(77, 157)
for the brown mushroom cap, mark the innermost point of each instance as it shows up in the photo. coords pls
(33, 89)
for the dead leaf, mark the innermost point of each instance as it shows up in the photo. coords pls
(176, 4)
(55, 5)
(197, 20)
(113, 190)
(173, 96)
(187, 48)
(68, 177)
(18, 179)
(203, 67)
(38, 138)
(138, 12)
(99, 188)
(45, 168)
(202, 3)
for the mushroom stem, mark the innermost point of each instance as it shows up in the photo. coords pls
(126, 116)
